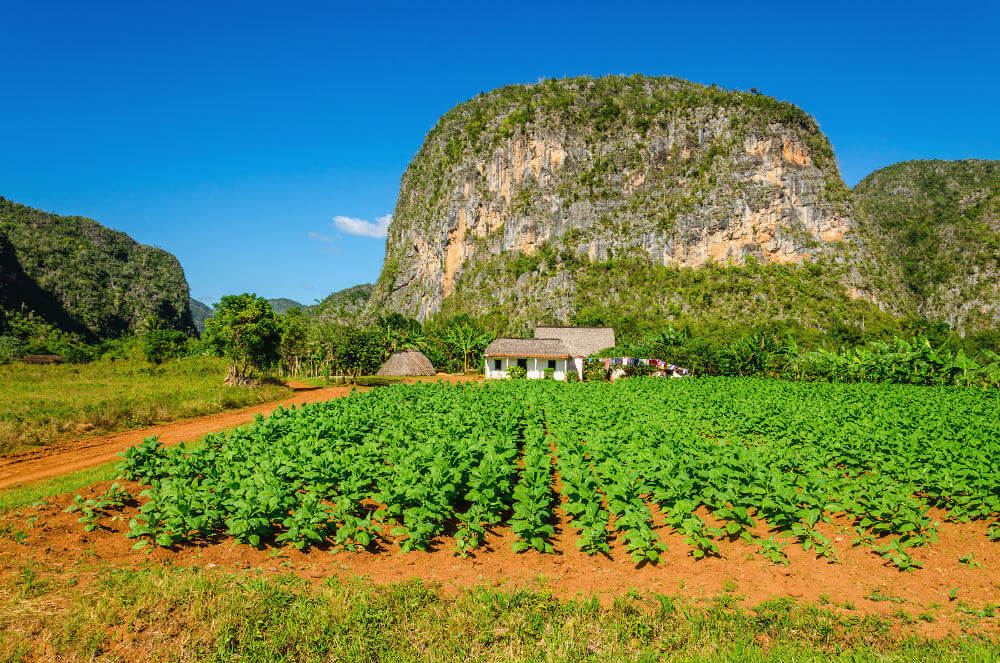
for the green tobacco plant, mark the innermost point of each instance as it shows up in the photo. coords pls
(714, 457)
(91, 510)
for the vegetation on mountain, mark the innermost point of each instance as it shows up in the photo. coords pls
(940, 221)
(637, 297)
(283, 305)
(76, 276)
(344, 306)
(581, 171)
(200, 313)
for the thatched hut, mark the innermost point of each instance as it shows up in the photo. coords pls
(407, 362)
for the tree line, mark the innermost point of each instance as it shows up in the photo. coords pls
(262, 344)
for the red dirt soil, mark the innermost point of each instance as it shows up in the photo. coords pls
(65, 457)
(45, 533)
(56, 537)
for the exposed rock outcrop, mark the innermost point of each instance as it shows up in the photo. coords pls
(586, 171)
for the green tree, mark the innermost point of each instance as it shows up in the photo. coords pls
(11, 348)
(398, 332)
(464, 338)
(360, 352)
(244, 330)
(158, 343)
(294, 339)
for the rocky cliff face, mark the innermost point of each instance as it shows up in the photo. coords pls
(516, 194)
(940, 222)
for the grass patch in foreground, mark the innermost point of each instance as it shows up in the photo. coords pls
(192, 615)
(23, 495)
(40, 405)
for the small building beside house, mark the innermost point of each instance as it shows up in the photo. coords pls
(562, 349)
(42, 360)
(407, 363)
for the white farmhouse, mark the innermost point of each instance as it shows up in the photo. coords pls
(563, 349)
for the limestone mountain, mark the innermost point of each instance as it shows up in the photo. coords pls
(940, 221)
(581, 200)
(82, 277)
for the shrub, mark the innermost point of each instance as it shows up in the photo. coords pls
(571, 375)
(162, 344)
(11, 348)
(517, 373)
(549, 373)
(595, 372)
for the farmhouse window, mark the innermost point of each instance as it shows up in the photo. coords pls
(552, 364)
(496, 364)
(522, 363)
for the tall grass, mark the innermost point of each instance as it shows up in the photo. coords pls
(40, 405)
(177, 614)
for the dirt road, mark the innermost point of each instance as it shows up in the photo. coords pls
(63, 458)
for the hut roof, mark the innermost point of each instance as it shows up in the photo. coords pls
(580, 341)
(408, 362)
(42, 359)
(545, 348)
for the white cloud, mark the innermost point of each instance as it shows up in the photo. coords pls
(362, 227)
(319, 236)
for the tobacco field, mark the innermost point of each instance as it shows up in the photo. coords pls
(408, 464)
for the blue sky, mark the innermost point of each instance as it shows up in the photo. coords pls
(232, 134)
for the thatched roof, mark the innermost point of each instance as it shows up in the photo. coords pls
(580, 341)
(542, 348)
(408, 362)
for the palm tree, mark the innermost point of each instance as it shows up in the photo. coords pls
(466, 340)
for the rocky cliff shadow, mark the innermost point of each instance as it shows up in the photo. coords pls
(20, 292)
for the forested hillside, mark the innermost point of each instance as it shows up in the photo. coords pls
(283, 305)
(80, 277)
(200, 312)
(343, 306)
(940, 220)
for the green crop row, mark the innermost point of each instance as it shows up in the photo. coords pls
(714, 458)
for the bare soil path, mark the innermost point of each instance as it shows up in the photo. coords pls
(65, 457)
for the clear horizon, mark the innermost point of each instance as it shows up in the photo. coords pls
(264, 149)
